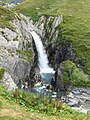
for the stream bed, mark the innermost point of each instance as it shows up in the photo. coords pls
(76, 98)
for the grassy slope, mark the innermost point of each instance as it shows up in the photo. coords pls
(9, 110)
(14, 109)
(5, 16)
(77, 77)
(76, 24)
(6, 1)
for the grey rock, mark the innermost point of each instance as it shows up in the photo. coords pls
(9, 34)
(88, 112)
(11, 41)
(8, 82)
(80, 101)
(83, 90)
(72, 104)
(71, 95)
(21, 69)
(76, 92)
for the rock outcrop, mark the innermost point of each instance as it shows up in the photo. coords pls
(14, 52)
(18, 54)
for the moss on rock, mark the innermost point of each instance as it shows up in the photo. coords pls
(74, 75)
(25, 55)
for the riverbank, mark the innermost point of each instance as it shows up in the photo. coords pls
(20, 105)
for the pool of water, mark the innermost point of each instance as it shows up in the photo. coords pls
(47, 77)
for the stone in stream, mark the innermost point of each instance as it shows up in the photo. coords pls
(76, 92)
(74, 102)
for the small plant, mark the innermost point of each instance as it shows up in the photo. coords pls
(2, 72)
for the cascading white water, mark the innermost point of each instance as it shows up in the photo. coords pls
(42, 57)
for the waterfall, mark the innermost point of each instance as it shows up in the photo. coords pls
(42, 56)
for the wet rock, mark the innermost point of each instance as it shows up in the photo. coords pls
(76, 92)
(71, 95)
(83, 90)
(74, 102)
(79, 109)
(79, 100)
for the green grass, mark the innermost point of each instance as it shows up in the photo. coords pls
(6, 1)
(74, 8)
(75, 30)
(34, 9)
(25, 55)
(21, 105)
(6, 15)
(77, 78)
(75, 26)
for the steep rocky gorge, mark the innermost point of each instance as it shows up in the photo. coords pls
(18, 54)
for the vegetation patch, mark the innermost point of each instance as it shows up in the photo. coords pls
(2, 72)
(34, 9)
(74, 75)
(25, 55)
(6, 15)
(36, 104)
(76, 31)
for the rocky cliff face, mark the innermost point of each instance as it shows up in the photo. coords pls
(19, 57)
(14, 52)
(16, 47)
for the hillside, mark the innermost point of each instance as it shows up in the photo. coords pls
(9, 110)
(75, 26)
(64, 29)
(5, 16)
(70, 34)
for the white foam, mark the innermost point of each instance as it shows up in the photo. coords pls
(42, 56)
